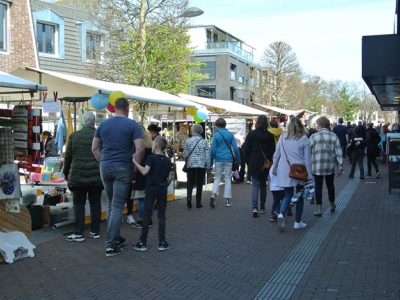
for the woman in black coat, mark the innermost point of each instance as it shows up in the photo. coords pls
(259, 144)
(373, 150)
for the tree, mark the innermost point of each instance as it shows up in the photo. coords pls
(367, 105)
(342, 101)
(146, 45)
(316, 98)
(279, 61)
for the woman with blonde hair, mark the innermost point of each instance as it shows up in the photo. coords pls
(292, 148)
(140, 185)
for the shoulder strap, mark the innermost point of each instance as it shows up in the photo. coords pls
(227, 144)
(193, 148)
(285, 152)
(261, 150)
(329, 149)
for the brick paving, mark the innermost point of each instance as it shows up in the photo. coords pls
(224, 253)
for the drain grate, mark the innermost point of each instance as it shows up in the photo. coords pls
(284, 281)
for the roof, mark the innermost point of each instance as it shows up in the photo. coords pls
(298, 113)
(224, 107)
(68, 85)
(11, 84)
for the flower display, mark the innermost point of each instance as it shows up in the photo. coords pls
(7, 180)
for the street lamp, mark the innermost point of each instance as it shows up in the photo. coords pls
(192, 12)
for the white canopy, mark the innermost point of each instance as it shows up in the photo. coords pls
(288, 112)
(224, 107)
(70, 86)
(12, 84)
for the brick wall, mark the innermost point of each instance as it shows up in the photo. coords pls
(22, 51)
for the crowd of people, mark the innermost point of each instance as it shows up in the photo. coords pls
(132, 165)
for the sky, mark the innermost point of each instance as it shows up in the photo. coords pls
(325, 35)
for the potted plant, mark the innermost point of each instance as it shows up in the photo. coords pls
(7, 182)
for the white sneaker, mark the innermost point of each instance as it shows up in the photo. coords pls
(249, 182)
(130, 219)
(228, 203)
(281, 223)
(75, 238)
(299, 225)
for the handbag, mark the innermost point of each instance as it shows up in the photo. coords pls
(267, 163)
(297, 171)
(234, 164)
(184, 169)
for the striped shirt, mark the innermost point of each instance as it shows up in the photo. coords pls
(326, 152)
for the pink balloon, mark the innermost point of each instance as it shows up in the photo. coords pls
(111, 108)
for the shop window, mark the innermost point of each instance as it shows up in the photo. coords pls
(206, 91)
(4, 26)
(49, 33)
(215, 38)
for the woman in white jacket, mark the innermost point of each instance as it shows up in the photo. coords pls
(293, 147)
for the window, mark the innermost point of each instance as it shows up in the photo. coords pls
(240, 100)
(241, 79)
(208, 36)
(45, 38)
(233, 72)
(3, 26)
(209, 69)
(93, 44)
(215, 38)
(49, 33)
(206, 91)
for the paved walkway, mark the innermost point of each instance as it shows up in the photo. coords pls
(224, 253)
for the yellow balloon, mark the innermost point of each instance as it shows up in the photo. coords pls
(191, 111)
(114, 96)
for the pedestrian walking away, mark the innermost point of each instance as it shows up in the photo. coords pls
(293, 148)
(259, 147)
(198, 156)
(326, 155)
(117, 141)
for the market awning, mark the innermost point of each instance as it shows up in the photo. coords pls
(273, 109)
(75, 86)
(224, 107)
(10, 84)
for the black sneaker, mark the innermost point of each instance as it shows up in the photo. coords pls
(94, 235)
(139, 246)
(212, 201)
(289, 211)
(122, 241)
(75, 238)
(114, 251)
(138, 224)
(162, 246)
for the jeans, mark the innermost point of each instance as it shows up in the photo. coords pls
(148, 210)
(79, 195)
(357, 158)
(277, 197)
(259, 187)
(286, 201)
(219, 166)
(195, 175)
(117, 183)
(329, 181)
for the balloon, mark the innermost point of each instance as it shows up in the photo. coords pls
(197, 119)
(116, 95)
(191, 111)
(202, 113)
(99, 101)
(111, 108)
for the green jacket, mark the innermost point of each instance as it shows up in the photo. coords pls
(80, 166)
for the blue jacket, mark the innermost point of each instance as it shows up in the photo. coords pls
(220, 151)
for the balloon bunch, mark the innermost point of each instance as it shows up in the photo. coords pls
(102, 101)
(198, 114)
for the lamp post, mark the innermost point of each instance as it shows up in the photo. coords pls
(192, 12)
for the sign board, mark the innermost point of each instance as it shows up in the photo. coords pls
(393, 145)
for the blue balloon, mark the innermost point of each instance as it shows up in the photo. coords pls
(202, 113)
(99, 101)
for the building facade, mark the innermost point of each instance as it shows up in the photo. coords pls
(233, 74)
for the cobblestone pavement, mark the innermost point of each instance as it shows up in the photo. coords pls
(225, 253)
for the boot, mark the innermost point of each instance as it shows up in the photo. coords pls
(333, 206)
(318, 212)
(198, 204)
(289, 211)
(189, 203)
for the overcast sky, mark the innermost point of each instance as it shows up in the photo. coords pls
(326, 35)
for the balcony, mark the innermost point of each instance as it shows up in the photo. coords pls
(232, 46)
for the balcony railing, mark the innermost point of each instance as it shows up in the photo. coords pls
(232, 47)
